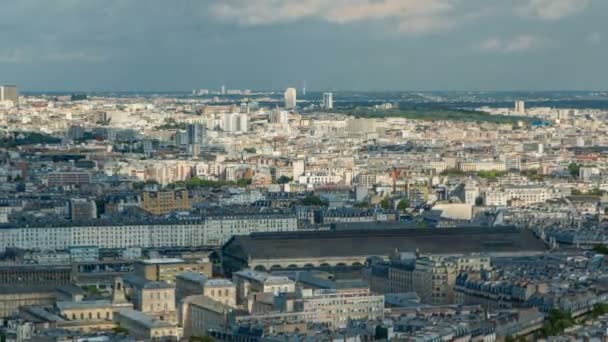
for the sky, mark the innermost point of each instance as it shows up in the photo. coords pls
(363, 45)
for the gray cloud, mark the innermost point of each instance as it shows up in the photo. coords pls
(341, 44)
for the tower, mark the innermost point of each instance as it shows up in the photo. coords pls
(520, 107)
(9, 93)
(290, 98)
(118, 293)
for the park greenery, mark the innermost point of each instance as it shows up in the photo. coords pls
(195, 183)
(172, 124)
(556, 323)
(312, 200)
(27, 138)
(600, 249)
(403, 205)
(427, 114)
(283, 180)
(574, 169)
(385, 203)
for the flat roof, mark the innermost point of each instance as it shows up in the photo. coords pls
(143, 319)
(87, 304)
(163, 261)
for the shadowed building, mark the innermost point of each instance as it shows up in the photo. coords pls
(352, 248)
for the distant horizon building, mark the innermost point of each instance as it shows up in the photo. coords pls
(328, 101)
(9, 92)
(290, 98)
(520, 107)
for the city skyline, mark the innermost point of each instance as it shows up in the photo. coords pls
(348, 45)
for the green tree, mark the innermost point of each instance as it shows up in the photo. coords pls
(574, 169)
(120, 329)
(361, 205)
(312, 200)
(404, 204)
(600, 249)
(243, 182)
(283, 180)
(385, 203)
(556, 323)
(250, 150)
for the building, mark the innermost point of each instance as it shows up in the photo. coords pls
(194, 284)
(250, 282)
(166, 270)
(12, 298)
(520, 107)
(433, 280)
(9, 93)
(189, 284)
(290, 98)
(220, 228)
(48, 276)
(212, 231)
(337, 308)
(197, 137)
(518, 195)
(166, 201)
(82, 209)
(221, 290)
(155, 298)
(68, 178)
(353, 247)
(328, 101)
(145, 327)
(199, 314)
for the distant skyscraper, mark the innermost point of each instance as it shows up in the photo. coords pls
(328, 101)
(9, 93)
(223, 91)
(290, 98)
(197, 137)
(196, 133)
(520, 107)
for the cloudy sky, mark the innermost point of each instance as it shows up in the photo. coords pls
(330, 44)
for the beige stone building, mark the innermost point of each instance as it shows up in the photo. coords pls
(167, 269)
(193, 284)
(146, 327)
(164, 202)
(200, 313)
(155, 298)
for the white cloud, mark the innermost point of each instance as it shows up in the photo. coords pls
(552, 9)
(517, 44)
(409, 16)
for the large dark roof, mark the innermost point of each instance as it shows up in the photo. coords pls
(504, 240)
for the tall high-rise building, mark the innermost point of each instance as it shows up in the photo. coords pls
(290, 98)
(223, 90)
(520, 107)
(9, 93)
(197, 133)
(328, 101)
(197, 137)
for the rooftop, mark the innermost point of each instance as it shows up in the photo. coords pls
(445, 241)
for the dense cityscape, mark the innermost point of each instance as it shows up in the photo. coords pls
(303, 171)
(240, 215)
